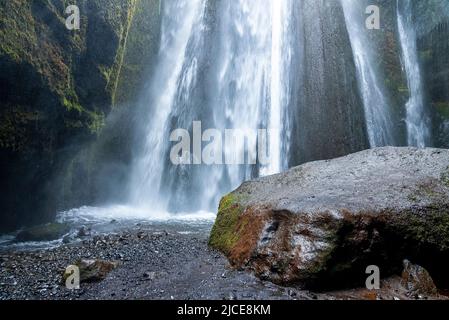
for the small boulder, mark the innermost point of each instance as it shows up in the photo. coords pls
(150, 275)
(83, 232)
(416, 280)
(94, 270)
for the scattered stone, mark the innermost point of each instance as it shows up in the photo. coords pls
(66, 239)
(150, 275)
(417, 281)
(83, 232)
(94, 270)
(231, 296)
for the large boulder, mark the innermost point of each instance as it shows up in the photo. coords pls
(45, 232)
(321, 224)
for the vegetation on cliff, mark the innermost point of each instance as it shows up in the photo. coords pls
(57, 89)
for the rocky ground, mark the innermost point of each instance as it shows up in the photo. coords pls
(154, 264)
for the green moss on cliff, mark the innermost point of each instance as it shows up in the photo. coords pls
(33, 34)
(123, 23)
(59, 86)
(13, 128)
(442, 107)
(141, 47)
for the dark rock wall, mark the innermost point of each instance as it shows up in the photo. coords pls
(433, 46)
(329, 118)
(57, 89)
(102, 165)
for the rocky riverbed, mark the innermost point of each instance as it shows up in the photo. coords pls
(156, 263)
(324, 221)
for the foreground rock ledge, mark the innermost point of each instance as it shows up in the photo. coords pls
(321, 224)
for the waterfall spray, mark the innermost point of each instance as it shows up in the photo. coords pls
(418, 122)
(377, 111)
(182, 21)
(244, 87)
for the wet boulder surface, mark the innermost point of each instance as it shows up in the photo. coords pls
(321, 224)
(45, 232)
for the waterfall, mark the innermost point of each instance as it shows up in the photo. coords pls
(281, 62)
(230, 74)
(377, 110)
(182, 22)
(253, 86)
(231, 65)
(417, 120)
(307, 71)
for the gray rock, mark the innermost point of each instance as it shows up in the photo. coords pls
(83, 232)
(323, 223)
(150, 275)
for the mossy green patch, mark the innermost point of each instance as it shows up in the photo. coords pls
(426, 54)
(442, 107)
(34, 34)
(224, 234)
(142, 41)
(97, 122)
(14, 122)
(429, 228)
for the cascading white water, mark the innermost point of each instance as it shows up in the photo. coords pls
(417, 120)
(182, 21)
(244, 64)
(252, 81)
(243, 77)
(249, 91)
(275, 88)
(281, 59)
(377, 111)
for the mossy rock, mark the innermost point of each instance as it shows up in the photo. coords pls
(45, 232)
(224, 234)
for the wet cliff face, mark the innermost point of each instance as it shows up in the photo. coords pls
(433, 46)
(57, 88)
(430, 19)
(97, 171)
(329, 117)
